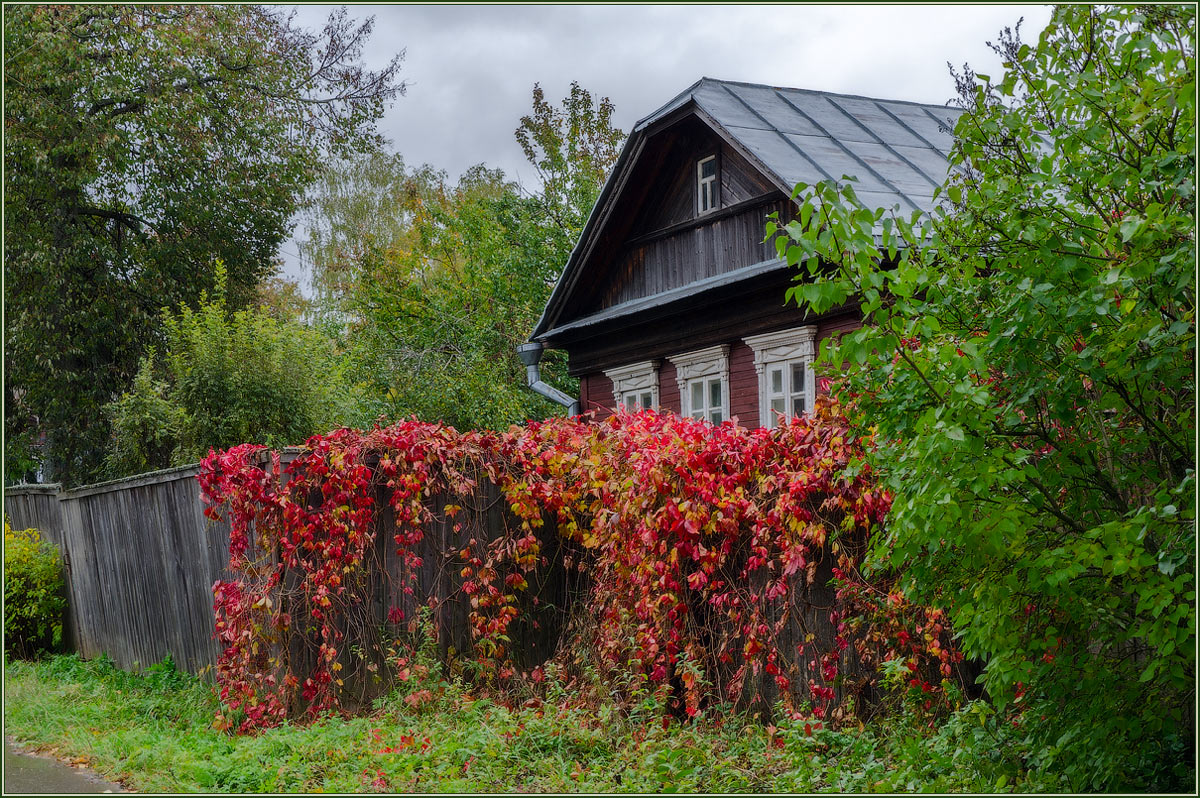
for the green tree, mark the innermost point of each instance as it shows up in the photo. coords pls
(228, 378)
(573, 150)
(436, 283)
(446, 304)
(356, 206)
(146, 425)
(1027, 370)
(142, 144)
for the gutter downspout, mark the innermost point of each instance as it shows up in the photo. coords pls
(531, 355)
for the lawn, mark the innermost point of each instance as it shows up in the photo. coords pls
(153, 732)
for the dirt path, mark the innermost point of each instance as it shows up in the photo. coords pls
(29, 773)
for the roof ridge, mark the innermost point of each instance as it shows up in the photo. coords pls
(823, 92)
(690, 92)
(662, 108)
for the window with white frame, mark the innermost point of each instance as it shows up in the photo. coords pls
(635, 387)
(786, 383)
(706, 185)
(703, 378)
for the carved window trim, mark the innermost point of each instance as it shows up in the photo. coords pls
(703, 366)
(632, 384)
(782, 351)
(707, 186)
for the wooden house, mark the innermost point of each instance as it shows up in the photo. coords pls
(672, 299)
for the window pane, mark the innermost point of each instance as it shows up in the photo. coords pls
(798, 405)
(698, 396)
(630, 402)
(778, 405)
(797, 378)
(715, 417)
(647, 401)
(714, 393)
(708, 168)
(698, 414)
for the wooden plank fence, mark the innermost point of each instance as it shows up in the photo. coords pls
(141, 560)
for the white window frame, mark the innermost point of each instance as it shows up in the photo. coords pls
(780, 351)
(703, 366)
(706, 187)
(632, 384)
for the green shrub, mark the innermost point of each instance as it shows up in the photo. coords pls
(1026, 368)
(33, 593)
(225, 378)
(146, 426)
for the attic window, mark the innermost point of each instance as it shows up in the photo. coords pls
(706, 185)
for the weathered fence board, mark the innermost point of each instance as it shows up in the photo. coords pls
(140, 559)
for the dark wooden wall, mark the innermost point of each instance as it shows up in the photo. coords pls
(715, 245)
(596, 389)
(673, 200)
(743, 385)
(668, 387)
(653, 240)
(596, 394)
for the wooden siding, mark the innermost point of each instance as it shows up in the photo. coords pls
(668, 387)
(730, 241)
(835, 328)
(743, 385)
(596, 393)
(838, 326)
(717, 317)
(655, 228)
(596, 389)
(675, 200)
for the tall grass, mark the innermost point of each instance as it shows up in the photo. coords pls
(153, 732)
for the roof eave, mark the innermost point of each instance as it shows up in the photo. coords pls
(603, 207)
(636, 307)
(569, 275)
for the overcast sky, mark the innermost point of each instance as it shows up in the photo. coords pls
(470, 69)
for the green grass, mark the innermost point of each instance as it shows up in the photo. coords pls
(153, 732)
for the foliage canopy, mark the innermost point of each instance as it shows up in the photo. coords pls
(143, 143)
(436, 282)
(1028, 366)
(227, 378)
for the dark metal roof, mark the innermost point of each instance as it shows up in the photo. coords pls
(898, 151)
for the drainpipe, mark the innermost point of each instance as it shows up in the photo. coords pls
(531, 355)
